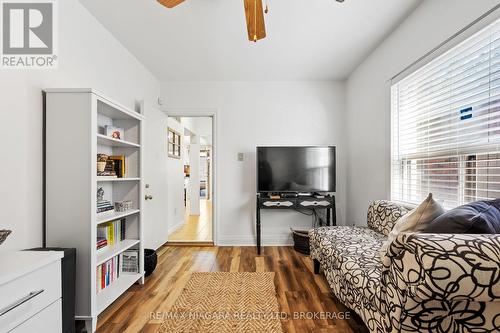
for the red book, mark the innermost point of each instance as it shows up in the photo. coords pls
(103, 277)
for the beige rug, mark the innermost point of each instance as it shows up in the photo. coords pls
(225, 302)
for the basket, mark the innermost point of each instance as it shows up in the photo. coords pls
(301, 241)
(150, 261)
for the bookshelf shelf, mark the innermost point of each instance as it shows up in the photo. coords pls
(114, 250)
(109, 179)
(110, 142)
(114, 290)
(77, 227)
(108, 217)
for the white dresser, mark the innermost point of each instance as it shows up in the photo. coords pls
(30, 292)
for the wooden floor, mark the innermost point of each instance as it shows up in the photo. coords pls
(196, 228)
(298, 289)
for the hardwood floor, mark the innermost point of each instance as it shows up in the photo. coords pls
(298, 289)
(196, 228)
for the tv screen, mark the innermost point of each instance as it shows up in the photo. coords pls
(296, 169)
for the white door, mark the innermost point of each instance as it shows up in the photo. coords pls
(155, 177)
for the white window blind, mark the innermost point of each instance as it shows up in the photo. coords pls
(446, 125)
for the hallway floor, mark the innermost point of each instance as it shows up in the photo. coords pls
(196, 228)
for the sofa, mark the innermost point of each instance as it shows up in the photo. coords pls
(432, 282)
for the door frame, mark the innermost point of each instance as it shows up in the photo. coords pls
(212, 113)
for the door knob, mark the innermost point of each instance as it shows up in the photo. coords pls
(148, 197)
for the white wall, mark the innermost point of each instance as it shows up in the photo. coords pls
(262, 113)
(368, 95)
(88, 57)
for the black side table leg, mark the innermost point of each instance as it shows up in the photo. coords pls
(316, 266)
(334, 213)
(258, 226)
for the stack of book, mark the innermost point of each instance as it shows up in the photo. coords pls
(108, 170)
(107, 273)
(113, 232)
(102, 243)
(104, 206)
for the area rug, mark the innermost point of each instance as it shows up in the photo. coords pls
(225, 302)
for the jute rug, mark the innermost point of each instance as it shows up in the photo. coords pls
(225, 302)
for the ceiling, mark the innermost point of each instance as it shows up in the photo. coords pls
(206, 40)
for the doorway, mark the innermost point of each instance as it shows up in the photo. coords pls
(190, 173)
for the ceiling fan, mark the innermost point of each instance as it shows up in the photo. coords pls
(254, 11)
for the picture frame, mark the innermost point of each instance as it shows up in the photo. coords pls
(114, 132)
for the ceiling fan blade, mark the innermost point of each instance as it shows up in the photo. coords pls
(256, 25)
(170, 3)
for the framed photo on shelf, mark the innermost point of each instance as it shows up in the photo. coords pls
(174, 144)
(114, 132)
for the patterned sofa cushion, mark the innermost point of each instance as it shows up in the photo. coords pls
(353, 251)
(383, 215)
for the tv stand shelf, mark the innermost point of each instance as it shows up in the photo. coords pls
(298, 203)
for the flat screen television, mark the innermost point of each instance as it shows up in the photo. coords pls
(296, 169)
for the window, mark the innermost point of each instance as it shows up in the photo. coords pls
(446, 125)
(174, 144)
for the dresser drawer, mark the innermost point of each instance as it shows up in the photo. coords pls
(313, 203)
(48, 320)
(277, 203)
(28, 294)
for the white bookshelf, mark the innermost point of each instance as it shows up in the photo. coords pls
(113, 216)
(74, 135)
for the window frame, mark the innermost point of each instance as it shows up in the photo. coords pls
(407, 184)
(174, 141)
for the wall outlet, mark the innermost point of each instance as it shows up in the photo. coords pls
(241, 157)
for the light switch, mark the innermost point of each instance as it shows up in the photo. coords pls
(241, 157)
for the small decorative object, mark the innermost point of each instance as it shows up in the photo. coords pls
(103, 205)
(101, 162)
(101, 166)
(123, 206)
(100, 194)
(3, 235)
(130, 261)
(105, 166)
(114, 132)
(150, 261)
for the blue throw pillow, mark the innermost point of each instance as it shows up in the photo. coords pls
(480, 217)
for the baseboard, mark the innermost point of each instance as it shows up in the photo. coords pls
(190, 244)
(268, 240)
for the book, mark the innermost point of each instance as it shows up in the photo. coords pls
(111, 232)
(119, 165)
(129, 261)
(102, 243)
(107, 273)
(122, 229)
(98, 278)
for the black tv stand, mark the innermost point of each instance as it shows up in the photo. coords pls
(264, 201)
